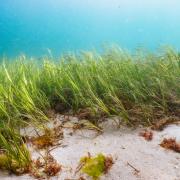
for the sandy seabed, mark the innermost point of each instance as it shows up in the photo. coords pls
(126, 147)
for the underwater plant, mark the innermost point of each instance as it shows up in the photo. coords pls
(14, 155)
(96, 166)
(141, 88)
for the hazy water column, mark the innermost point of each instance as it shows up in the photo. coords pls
(32, 27)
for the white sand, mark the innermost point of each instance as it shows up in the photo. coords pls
(125, 146)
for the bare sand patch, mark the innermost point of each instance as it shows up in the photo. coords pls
(130, 152)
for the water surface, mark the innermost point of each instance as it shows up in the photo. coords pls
(35, 26)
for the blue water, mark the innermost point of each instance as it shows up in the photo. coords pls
(34, 27)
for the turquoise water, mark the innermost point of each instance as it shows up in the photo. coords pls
(35, 27)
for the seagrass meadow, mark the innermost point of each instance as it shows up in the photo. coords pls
(140, 89)
(113, 83)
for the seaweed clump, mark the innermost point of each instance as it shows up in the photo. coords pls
(96, 166)
(170, 144)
